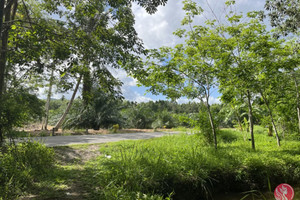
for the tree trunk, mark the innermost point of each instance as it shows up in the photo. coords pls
(48, 102)
(59, 123)
(5, 15)
(250, 119)
(239, 121)
(272, 119)
(211, 122)
(270, 130)
(2, 2)
(298, 101)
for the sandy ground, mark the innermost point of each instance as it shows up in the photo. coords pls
(93, 139)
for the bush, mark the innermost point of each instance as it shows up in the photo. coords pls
(17, 108)
(22, 164)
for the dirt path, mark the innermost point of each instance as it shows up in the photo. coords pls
(52, 141)
(69, 178)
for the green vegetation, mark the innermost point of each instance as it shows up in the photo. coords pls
(21, 165)
(105, 111)
(187, 168)
(59, 44)
(172, 167)
(239, 55)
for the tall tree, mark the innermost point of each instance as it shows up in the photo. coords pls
(289, 61)
(111, 41)
(186, 70)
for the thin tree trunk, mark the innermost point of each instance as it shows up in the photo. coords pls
(250, 119)
(239, 121)
(297, 100)
(207, 94)
(270, 130)
(59, 123)
(211, 121)
(272, 119)
(48, 101)
(212, 125)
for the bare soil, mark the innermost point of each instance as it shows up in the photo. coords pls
(35, 130)
(66, 155)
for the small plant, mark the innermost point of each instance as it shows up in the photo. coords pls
(157, 124)
(115, 128)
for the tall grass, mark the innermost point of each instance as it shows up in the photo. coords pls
(184, 167)
(21, 165)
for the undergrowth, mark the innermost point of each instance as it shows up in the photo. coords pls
(183, 167)
(175, 167)
(21, 165)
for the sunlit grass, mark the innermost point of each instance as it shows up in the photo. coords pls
(183, 164)
(173, 167)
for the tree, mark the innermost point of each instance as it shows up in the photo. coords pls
(284, 14)
(103, 35)
(237, 69)
(290, 62)
(17, 109)
(187, 69)
(103, 111)
(26, 28)
(138, 115)
(251, 68)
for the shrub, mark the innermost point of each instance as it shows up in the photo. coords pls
(22, 164)
(115, 128)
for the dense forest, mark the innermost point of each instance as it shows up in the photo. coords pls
(71, 46)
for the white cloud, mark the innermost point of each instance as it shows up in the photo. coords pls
(212, 100)
(131, 95)
(156, 30)
(123, 76)
(139, 98)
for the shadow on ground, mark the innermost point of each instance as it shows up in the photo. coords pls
(68, 180)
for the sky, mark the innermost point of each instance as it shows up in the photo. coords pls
(156, 30)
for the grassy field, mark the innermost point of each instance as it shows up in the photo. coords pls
(172, 167)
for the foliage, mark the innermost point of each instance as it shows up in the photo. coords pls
(57, 106)
(138, 116)
(21, 165)
(284, 15)
(102, 112)
(115, 128)
(18, 108)
(183, 165)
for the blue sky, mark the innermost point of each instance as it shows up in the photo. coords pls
(156, 31)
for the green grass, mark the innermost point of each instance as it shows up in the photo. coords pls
(186, 167)
(174, 167)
